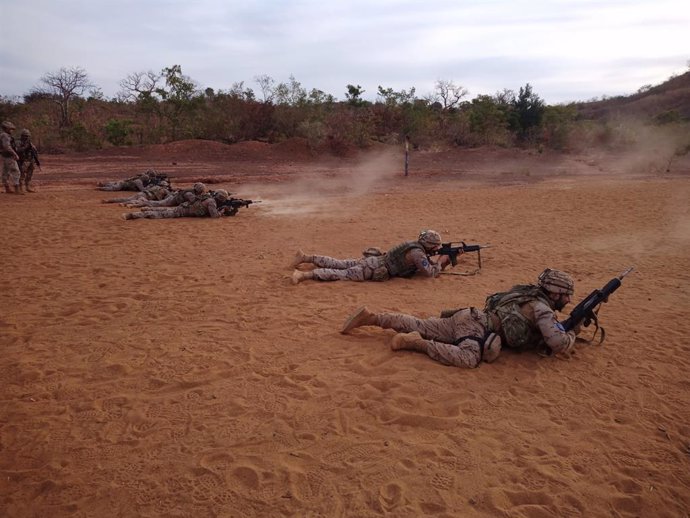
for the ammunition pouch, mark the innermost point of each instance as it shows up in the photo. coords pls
(380, 274)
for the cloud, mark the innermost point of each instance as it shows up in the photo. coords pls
(567, 49)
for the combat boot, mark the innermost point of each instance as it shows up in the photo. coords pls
(29, 188)
(18, 189)
(361, 317)
(492, 347)
(300, 257)
(409, 342)
(7, 188)
(299, 276)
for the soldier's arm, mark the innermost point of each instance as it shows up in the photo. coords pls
(7, 147)
(551, 329)
(422, 263)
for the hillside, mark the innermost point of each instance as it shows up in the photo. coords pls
(668, 101)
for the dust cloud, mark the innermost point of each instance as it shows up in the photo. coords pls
(639, 149)
(320, 192)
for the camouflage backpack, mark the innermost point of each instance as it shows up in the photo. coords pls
(517, 330)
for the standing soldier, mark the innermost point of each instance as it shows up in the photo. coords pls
(28, 156)
(10, 169)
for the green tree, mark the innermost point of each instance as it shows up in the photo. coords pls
(117, 131)
(529, 111)
(354, 95)
(179, 97)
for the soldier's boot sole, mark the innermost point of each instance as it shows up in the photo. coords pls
(361, 317)
(299, 276)
(298, 259)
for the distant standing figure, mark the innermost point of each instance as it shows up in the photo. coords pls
(8, 149)
(403, 260)
(28, 157)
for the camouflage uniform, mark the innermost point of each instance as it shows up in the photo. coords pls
(175, 198)
(204, 206)
(521, 318)
(455, 340)
(152, 192)
(135, 183)
(28, 157)
(10, 169)
(403, 260)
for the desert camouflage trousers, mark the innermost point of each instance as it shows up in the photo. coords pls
(330, 269)
(26, 172)
(467, 328)
(10, 171)
(174, 212)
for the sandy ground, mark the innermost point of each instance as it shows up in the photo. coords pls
(170, 368)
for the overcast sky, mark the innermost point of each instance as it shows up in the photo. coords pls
(568, 50)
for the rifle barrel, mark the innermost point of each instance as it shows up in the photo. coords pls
(626, 272)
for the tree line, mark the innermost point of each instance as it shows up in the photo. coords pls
(67, 111)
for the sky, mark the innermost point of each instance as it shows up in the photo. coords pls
(567, 50)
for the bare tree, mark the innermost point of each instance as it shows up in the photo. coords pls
(63, 87)
(449, 93)
(139, 84)
(266, 84)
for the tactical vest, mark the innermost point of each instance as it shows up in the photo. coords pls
(156, 192)
(198, 208)
(180, 195)
(24, 152)
(517, 331)
(395, 259)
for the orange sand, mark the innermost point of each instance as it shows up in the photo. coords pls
(170, 368)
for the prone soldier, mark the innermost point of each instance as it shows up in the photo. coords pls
(403, 260)
(154, 192)
(205, 205)
(173, 199)
(134, 183)
(523, 317)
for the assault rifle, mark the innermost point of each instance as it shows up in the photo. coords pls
(231, 206)
(454, 251)
(34, 155)
(586, 311)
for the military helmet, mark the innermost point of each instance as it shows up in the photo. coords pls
(199, 188)
(25, 133)
(556, 281)
(429, 238)
(7, 125)
(221, 194)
